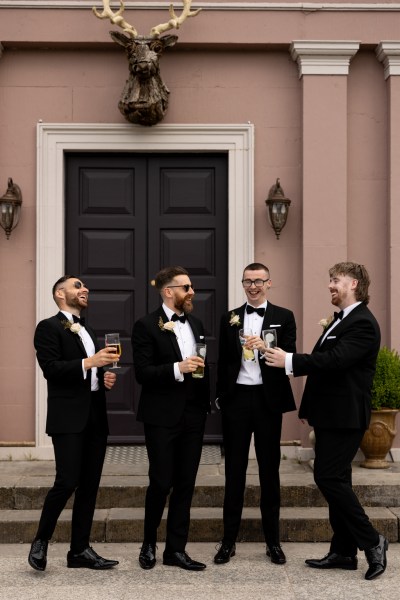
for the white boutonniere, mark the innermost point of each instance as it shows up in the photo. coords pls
(73, 327)
(234, 320)
(326, 322)
(168, 326)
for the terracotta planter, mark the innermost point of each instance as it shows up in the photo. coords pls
(378, 438)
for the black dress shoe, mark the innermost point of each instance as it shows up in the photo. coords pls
(276, 554)
(89, 559)
(225, 553)
(147, 556)
(376, 558)
(37, 557)
(333, 561)
(182, 560)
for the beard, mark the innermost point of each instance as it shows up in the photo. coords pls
(184, 305)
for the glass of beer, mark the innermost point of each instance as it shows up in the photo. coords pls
(269, 337)
(248, 353)
(112, 339)
(199, 350)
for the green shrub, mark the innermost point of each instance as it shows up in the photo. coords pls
(386, 384)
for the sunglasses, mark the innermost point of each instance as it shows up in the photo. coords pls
(185, 286)
(78, 285)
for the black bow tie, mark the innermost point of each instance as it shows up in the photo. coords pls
(80, 320)
(251, 309)
(338, 315)
(176, 317)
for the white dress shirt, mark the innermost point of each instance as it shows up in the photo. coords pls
(90, 350)
(250, 372)
(185, 339)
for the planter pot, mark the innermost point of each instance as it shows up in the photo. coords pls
(378, 438)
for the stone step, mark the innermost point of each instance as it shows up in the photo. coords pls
(31, 495)
(298, 524)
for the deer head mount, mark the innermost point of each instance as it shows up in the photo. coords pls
(144, 99)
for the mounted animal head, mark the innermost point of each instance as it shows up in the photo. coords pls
(144, 99)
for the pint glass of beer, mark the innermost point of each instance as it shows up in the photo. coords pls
(199, 350)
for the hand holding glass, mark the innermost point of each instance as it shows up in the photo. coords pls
(112, 339)
(270, 338)
(248, 353)
(199, 350)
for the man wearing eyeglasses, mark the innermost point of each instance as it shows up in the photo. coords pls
(252, 398)
(72, 363)
(173, 407)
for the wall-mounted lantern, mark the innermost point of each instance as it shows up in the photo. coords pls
(10, 207)
(278, 208)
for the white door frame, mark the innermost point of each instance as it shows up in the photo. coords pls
(54, 140)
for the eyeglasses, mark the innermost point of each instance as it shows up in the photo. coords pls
(78, 285)
(185, 286)
(247, 283)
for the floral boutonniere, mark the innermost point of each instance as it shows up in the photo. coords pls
(234, 320)
(168, 326)
(73, 327)
(326, 322)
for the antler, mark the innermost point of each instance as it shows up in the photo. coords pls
(175, 22)
(116, 18)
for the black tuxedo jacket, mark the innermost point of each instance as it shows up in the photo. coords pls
(59, 353)
(277, 390)
(163, 399)
(340, 372)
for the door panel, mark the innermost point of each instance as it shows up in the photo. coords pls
(129, 215)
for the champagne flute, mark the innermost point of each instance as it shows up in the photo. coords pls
(112, 339)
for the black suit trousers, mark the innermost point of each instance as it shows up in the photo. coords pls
(79, 461)
(334, 451)
(243, 414)
(174, 456)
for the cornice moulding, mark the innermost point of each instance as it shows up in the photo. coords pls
(323, 58)
(388, 53)
(306, 7)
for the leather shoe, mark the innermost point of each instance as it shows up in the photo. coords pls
(147, 556)
(182, 560)
(89, 559)
(376, 558)
(333, 561)
(37, 557)
(276, 554)
(225, 552)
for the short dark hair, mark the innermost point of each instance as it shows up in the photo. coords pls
(355, 271)
(62, 279)
(256, 267)
(166, 275)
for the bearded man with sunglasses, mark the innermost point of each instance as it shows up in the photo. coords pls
(252, 398)
(173, 407)
(69, 356)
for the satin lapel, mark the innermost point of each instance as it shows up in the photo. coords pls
(171, 335)
(240, 312)
(195, 331)
(267, 317)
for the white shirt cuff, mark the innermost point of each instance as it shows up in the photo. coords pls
(289, 363)
(178, 375)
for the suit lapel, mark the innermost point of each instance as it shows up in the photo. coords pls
(75, 336)
(171, 335)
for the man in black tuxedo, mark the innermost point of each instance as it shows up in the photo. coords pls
(337, 403)
(252, 399)
(173, 407)
(68, 354)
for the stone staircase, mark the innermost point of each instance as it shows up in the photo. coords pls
(119, 514)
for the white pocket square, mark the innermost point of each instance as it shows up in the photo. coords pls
(331, 337)
(279, 325)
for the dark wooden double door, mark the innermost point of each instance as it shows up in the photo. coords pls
(129, 215)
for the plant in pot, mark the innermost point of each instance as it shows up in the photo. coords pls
(378, 438)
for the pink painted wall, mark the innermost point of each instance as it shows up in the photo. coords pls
(228, 67)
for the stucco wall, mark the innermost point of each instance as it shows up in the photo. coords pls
(59, 66)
